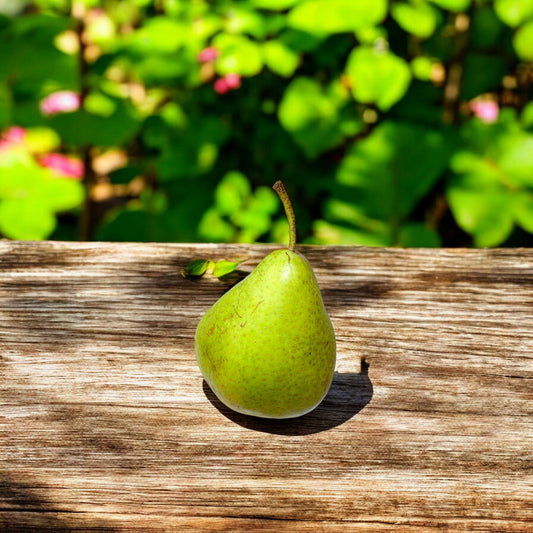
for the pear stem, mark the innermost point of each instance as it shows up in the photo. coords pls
(289, 212)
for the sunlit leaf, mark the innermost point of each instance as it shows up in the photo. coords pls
(232, 192)
(418, 19)
(25, 219)
(60, 194)
(238, 55)
(214, 228)
(516, 158)
(526, 118)
(100, 104)
(484, 212)
(30, 197)
(280, 58)
(491, 190)
(514, 12)
(223, 268)
(313, 115)
(274, 4)
(523, 41)
(25, 180)
(422, 67)
(242, 20)
(328, 233)
(158, 34)
(523, 209)
(336, 16)
(264, 200)
(453, 5)
(40, 140)
(378, 186)
(379, 77)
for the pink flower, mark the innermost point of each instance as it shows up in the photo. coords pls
(233, 81)
(15, 134)
(220, 86)
(60, 102)
(63, 166)
(12, 136)
(486, 110)
(228, 82)
(207, 54)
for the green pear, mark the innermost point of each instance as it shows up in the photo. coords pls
(267, 348)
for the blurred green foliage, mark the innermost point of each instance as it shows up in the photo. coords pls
(391, 122)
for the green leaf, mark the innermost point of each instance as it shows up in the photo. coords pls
(60, 194)
(381, 167)
(422, 67)
(418, 19)
(513, 12)
(5, 103)
(238, 55)
(158, 35)
(276, 5)
(279, 58)
(193, 157)
(22, 179)
(196, 268)
(419, 235)
(26, 219)
(100, 104)
(355, 215)
(494, 177)
(526, 117)
(484, 212)
(223, 268)
(300, 41)
(312, 115)
(379, 77)
(82, 128)
(40, 140)
(501, 150)
(328, 233)
(252, 223)
(265, 201)
(192, 151)
(214, 228)
(370, 35)
(523, 41)
(378, 184)
(30, 196)
(516, 158)
(232, 192)
(456, 6)
(523, 209)
(336, 16)
(245, 20)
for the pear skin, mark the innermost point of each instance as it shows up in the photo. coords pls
(267, 347)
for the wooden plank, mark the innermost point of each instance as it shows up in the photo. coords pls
(105, 423)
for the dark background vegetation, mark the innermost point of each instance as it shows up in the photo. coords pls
(392, 123)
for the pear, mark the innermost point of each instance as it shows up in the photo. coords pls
(266, 348)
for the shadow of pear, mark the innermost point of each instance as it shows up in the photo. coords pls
(349, 393)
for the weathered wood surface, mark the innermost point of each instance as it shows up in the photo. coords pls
(105, 424)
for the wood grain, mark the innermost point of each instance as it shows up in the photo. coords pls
(106, 425)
